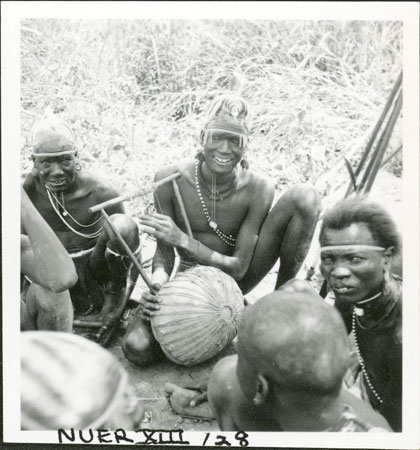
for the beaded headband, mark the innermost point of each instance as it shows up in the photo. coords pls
(354, 247)
(63, 152)
(227, 113)
(208, 135)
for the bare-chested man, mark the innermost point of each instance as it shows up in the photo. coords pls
(62, 193)
(293, 353)
(358, 242)
(228, 207)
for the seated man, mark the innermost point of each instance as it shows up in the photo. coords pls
(288, 375)
(358, 241)
(63, 193)
(45, 261)
(228, 207)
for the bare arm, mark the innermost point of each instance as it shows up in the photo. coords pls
(222, 393)
(43, 258)
(164, 227)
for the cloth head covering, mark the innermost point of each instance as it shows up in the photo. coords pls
(52, 136)
(229, 113)
(67, 382)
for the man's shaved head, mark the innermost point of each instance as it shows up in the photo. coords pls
(295, 340)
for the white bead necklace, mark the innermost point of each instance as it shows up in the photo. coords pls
(361, 360)
(93, 235)
(226, 238)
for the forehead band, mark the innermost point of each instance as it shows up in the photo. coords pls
(354, 247)
(208, 135)
(52, 155)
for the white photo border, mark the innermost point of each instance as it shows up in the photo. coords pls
(408, 12)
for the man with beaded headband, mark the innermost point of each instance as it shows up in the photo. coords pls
(358, 243)
(62, 193)
(229, 207)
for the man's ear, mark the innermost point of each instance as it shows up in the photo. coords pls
(387, 255)
(262, 390)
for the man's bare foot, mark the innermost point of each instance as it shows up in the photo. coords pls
(181, 400)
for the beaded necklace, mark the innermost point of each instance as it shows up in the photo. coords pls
(65, 213)
(361, 360)
(226, 238)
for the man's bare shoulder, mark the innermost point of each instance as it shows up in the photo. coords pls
(29, 181)
(222, 376)
(256, 184)
(102, 189)
(185, 168)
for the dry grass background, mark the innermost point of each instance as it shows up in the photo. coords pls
(134, 91)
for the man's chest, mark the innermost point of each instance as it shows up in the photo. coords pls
(228, 214)
(378, 350)
(60, 209)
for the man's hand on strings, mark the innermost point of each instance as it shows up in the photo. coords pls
(162, 227)
(150, 302)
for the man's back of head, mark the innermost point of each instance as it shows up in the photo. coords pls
(296, 341)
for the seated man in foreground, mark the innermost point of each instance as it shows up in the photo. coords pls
(44, 260)
(358, 242)
(288, 375)
(69, 382)
(63, 193)
(228, 207)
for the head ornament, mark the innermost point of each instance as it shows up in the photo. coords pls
(227, 113)
(51, 136)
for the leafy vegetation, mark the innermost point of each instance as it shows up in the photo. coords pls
(134, 91)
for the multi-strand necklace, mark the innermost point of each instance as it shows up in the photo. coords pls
(211, 219)
(55, 204)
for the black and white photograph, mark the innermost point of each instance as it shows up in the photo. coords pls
(218, 208)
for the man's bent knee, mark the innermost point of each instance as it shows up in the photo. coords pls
(46, 300)
(53, 310)
(306, 199)
(128, 229)
(139, 345)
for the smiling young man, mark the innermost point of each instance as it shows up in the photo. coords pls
(358, 241)
(228, 207)
(63, 193)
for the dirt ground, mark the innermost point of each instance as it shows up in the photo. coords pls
(148, 383)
